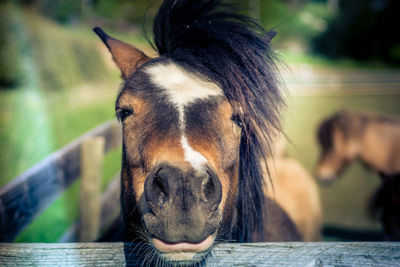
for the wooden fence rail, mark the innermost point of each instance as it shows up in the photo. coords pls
(255, 254)
(29, 194)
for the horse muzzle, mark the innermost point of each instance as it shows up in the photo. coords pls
(183, 251)
(181, 210)
(325, 174)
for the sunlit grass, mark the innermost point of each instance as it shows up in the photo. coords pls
(33, 126)
(25, 132)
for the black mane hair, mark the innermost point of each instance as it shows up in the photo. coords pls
(212, 38)
(344, 121)
(325, 134)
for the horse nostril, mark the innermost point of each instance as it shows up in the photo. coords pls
(209, 186)
(161, 185)
(157, 189)
(211, 191)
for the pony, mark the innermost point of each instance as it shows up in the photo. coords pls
(197, 122)
(286, 174)
(375, 140)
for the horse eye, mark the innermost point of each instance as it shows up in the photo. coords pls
(237, 120)
(122, 114)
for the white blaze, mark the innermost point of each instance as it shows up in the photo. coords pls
(195, 158)
(183, 88)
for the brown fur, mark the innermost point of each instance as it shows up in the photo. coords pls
(169, 150)
(127, 57)
(294, 189)
(296, 192)
(373, 138)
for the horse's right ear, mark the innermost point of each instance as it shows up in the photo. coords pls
(127, 57)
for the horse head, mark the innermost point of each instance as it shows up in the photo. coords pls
(339, 139)
(195, 123)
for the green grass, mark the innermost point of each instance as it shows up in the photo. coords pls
(34, 125)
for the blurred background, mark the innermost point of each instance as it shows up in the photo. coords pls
(57, 82)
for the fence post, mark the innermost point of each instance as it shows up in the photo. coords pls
(92, 153)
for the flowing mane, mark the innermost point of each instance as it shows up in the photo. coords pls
(210, 38)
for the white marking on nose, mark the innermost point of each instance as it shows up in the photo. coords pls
(195, 158)
(183, 88)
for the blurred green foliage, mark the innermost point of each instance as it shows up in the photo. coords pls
(72, 11)
(363, 30)
(64, 59)
(63, 11)
(125, 10)
(359, 29)
(11, 69)
(295, 25)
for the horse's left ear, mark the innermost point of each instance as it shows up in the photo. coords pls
(127, 57)
(269, 35)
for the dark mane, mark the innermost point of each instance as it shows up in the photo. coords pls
(347, 122)
(211, 38)
(325, 134)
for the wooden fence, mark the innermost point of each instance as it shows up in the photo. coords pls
(254, 254)
(29, 194)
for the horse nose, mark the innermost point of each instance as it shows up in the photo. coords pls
(325, 174)
(169, 187)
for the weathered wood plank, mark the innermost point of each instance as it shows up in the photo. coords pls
(27, 195)
(230, 254)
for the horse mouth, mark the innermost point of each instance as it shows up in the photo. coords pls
(183, 251)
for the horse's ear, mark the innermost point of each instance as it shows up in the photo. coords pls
(127, 57)
(269, 35)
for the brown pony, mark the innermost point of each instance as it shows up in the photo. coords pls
(301, 203)
(197, 121)
(375, 140)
